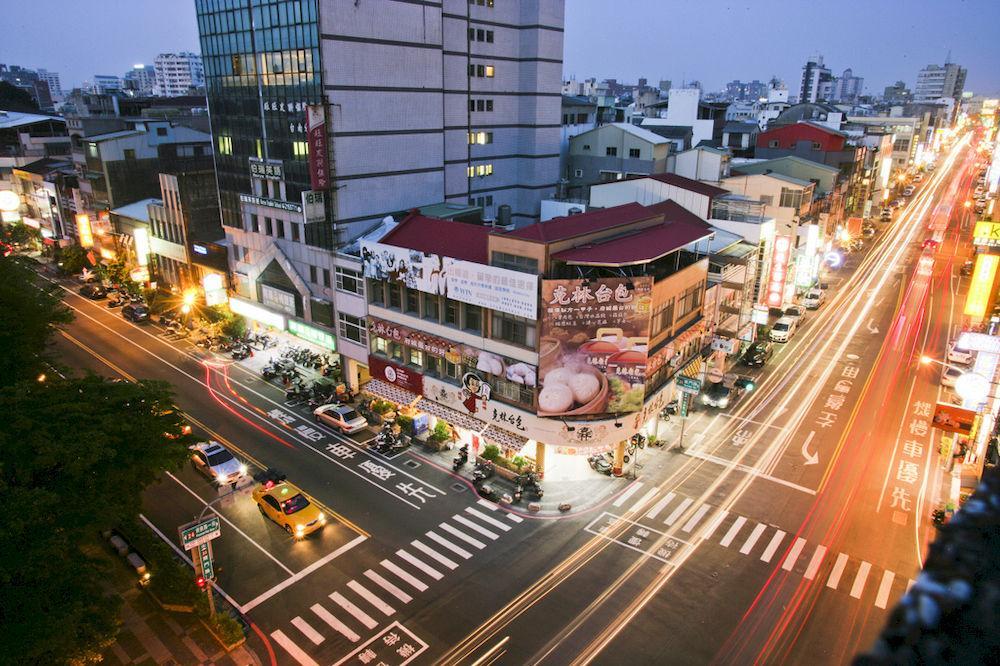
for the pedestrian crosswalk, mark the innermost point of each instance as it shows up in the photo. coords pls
(658, 510)
(366, 601)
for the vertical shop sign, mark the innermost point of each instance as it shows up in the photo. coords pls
(319, 174)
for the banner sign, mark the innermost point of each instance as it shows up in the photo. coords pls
(319, 175)
(266, 168)
(986, 233)
(270, 203)
(953, 419)
(595, 338)
(490, 287)
(775, 295)
(395, 374)
(414, 339)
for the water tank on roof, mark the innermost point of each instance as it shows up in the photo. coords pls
(503, 215)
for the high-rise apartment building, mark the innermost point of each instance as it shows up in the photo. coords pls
(106, 84)
(817, 81)
(847, 87)
(140, 80)
(935, 82)
(52, 79)
(177, 73)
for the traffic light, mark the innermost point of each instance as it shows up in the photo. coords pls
(745, 383)
(200, 582)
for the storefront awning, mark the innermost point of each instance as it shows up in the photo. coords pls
(693, 369)
(504, 439)
(450, 415)
(389, 392)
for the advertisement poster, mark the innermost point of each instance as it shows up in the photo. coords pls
(490, 287)
(595, 338)
(397, 375)
(319, 175)
(953, 419)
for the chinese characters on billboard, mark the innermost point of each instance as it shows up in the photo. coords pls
(775, 295)
(595, 338)
(319, 175)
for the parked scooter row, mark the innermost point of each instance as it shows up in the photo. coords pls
(389, 442)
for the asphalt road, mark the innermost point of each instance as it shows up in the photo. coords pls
(772, 538)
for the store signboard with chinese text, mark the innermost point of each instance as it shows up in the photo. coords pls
(270, 203)
(317, 336)
(981, 285)
(319, 175)
(266, 168)
(775, 294)
(594, 342)
(986, 234)
(490, 287)
(953, 418)
(396, 374)
(406, 336)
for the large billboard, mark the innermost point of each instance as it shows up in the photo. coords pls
(490, 287)
(595, 338)
(774, 297)
(981, 285)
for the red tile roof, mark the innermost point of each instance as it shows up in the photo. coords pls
(562, 228)
(459, 240)
(688, 184)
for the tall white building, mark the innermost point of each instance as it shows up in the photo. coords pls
(106, 84)
(52, 78)
(177, 72)
(817, 81)
(847, 87)
(141, 80)
(935, 82)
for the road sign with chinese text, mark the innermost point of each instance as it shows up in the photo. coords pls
(198, 532)
(688, 384)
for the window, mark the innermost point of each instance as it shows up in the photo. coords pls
(296, 235)
(515, 262)
(375, 294)
(473, 318)
(413, 302)
(816, 145)
(416, 358)
(268, 229)
(451, 312)
(430, 306)
(480, 170)
(578, 173)
(773, 143)
(489, 36)
(611, 151)
(395, 296)
(489, 71)
(312, 275)
(396, 351)
(480, 104)
(379, 346)
(300, 149)
(790, 198)
(518, 330)
(472, 106)
(663, 318)
(489, 105)
(349, 281)
(129, 153)
(480, 138)
(353, 329)
(161, 131)
(767, 199)
(451, 370)
(690, 300)
(322, 312)
(326, 277)
(581, 118)
(586, 146)
(225, 145)
(280, 228)
(254, 223)
(432, 365)
(633, 153)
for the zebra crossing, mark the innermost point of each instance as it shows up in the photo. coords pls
(645, 520)
(367, 600)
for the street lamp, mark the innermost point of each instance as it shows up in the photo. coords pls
(970, 386)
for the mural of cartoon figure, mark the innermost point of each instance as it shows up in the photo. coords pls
(475, 392)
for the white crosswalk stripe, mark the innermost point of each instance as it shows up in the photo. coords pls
(628, 493)
(752, 539)
(461, 552)
(414, 582)
(838, 570)
(659, 506)
(859, 580)
(462, 535)
(772, 546)
(817, 559)
(882, 598)
(388, 587)
(291, 648)
(650, 494)
(731, 534)
(307, 630)
(514, 518)
(793, 554)
(433, 554)
(339, 626)
(368, 596)
(486, 504)
(681, 508)
(423, 566)
(696, 518)
(487, 519)
(474, 527)
(714, 525)
(359, 615)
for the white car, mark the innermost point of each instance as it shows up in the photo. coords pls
(796, 312)
(783, 329)
(908, 191)
(813, 299)
(950, 375)
(343, 417)
(958, 355)
(216, 463)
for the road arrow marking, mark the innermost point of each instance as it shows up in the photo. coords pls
(811, 458)
(872, 328)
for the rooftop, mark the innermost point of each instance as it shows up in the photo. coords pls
(459, 240)
(113, 135)
(778, 176)
(11, 119)
(670, 131)
(138, 210)
(563, 228)
(736, 126)
(757, 164)
(640, 133)
(46, 165)
(577, 100)
(688, 184)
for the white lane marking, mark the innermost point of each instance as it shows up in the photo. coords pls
(714, 525)
(731, 534)
(291, 648)
(486, 504)
(628, 493)
(772, 546)
(838, 570)
(882, 598)
(814, 563)
(487, 519)
(359, 615)
(514, 518)
(696, 518)
(417, 585)
(302, 574)
(752, 539)
(339, 626)
(307, 629)
(650, 494)
(367, 595)
(423, 566)
(681, 508)
(659, 506)
(793, 554)
(475, 528)
(233, 525)
(388, 587)
(909, 583)
(859, 579)
(461, 552)
(462, 535)
(433, 554)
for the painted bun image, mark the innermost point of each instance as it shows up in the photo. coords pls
(573, 389)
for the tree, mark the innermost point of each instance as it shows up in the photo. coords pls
(72, 259)
(75, 456)
(30, 313)
(21, 234)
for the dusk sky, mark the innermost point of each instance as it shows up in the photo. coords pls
(714, 42)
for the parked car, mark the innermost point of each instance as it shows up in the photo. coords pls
(216, 463)
(886, 214)
(94, 291)
(289, 507)
(346, 418)
(908, 191)
(796, 312)
(958, 355)
(951, 375)
(783, 329)
(967, 266)
(758, 354)
(813, 299)
(136, 312)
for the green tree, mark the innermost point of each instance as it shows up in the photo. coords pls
(72, 259)
(30, 313)
(21, 234)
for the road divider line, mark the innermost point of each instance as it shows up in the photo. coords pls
(475, 528)
(358, 614)
(461, 552)
(297, 653)
(696, 518)
(793, 554)
(487, 519)
(433, 554)
(365, 594)
(748, 470)
(337, 625)
(513, 517)
(415, 583)
(772, 546)
(813, 566)
(838, 570)
(463, 536)
(681, 508)
(882, 598)
(388, 587)
(859, 580)
(304, 572)
(307, 630)
(752, 539)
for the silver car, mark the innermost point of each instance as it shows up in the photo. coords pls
(344, 417)
(216, 463)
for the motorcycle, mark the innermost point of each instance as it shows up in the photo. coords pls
(462, 458)
(241, 351)
(483, 471)
(600, 463)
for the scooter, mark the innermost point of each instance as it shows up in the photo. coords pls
(463, 457)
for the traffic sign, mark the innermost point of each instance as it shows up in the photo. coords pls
(198, 532)
(682, 408)
(205, 559)
(688, 384)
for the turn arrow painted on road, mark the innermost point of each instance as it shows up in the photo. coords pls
(811, 458)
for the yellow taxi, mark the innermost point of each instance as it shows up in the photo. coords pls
(289, 507)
